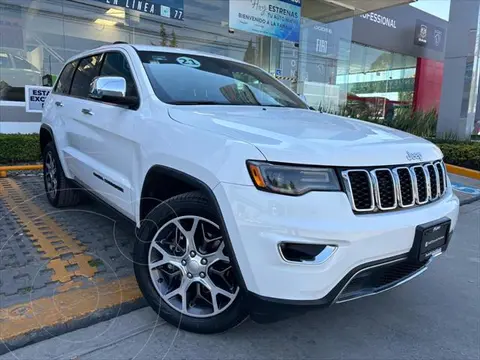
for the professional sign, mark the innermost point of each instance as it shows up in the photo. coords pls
(380, 19)
(401, 29)
(172, 9)
(429, 36)
(35, 97)
(276, 18)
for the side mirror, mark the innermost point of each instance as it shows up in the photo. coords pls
(112, 89)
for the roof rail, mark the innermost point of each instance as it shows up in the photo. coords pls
(120, 42)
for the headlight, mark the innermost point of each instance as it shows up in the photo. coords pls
(292, 180)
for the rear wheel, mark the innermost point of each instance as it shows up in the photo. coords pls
(183, 268)
(60, 191)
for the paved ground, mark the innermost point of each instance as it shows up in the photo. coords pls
(63, 270)
(436, 316)
(468, 190)
(59, 269)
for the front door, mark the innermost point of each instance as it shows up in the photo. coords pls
(102, 150)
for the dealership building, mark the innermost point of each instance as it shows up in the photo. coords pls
(381, 52)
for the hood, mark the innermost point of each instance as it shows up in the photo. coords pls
(309, 137)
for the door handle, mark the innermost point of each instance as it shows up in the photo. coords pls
(87, 111)
(59, 103)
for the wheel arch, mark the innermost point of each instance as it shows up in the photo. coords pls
(189, 183)
(46, 136)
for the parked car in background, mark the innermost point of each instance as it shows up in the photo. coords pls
(15, 72)
(245, 201)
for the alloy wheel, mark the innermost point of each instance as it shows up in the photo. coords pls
(189, 268)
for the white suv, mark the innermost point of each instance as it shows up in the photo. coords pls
(246, 201)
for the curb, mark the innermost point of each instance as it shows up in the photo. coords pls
(29, 323)
(5, 169)
(457, 170)
(75, 324)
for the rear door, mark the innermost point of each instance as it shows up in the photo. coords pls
(56, 115)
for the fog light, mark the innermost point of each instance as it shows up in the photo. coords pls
(306, 253)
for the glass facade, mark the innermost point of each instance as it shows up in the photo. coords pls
(379, 80)
(37, 37)
(331, 71)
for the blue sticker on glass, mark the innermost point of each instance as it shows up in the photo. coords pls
(187, 61)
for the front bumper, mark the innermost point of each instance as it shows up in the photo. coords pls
(257, 222)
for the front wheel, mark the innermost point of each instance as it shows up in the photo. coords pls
(183, 268)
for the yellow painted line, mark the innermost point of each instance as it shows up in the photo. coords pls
(5, 169)
(64, 307)
(457, 170)
(66, 255)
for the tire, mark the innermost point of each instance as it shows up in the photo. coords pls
(186, 208)
(65, 192)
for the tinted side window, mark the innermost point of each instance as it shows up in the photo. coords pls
(65, 79)
(115, 64)
(87, 70)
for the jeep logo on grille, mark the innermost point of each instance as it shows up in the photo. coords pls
(411, 156)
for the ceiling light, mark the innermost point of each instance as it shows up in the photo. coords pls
(105, 22)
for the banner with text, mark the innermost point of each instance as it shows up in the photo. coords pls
(172, 9)
(276, 18)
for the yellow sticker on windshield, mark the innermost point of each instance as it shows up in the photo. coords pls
(184, 60)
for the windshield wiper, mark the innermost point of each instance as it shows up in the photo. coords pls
(200, 103)
(282, 106)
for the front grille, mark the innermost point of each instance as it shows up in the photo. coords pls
(385, 189)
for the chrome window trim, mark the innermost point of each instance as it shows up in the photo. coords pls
(376, 187)
(346, 177)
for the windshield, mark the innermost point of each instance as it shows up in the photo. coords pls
(199, 80)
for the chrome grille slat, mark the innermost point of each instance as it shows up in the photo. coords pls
(442, 178)
(357, 203)
(405, 186)
(432, 176)
(385, 189)
(422, 193)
